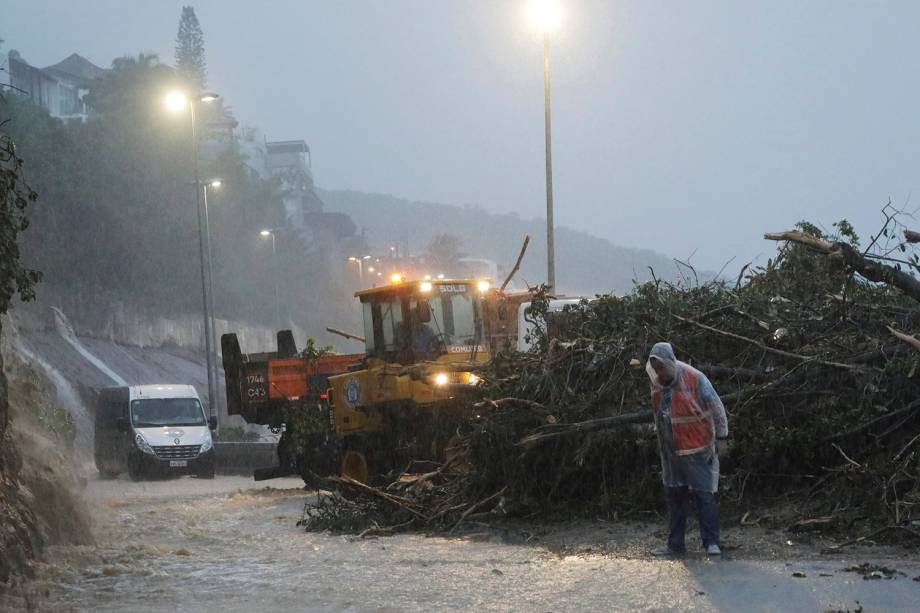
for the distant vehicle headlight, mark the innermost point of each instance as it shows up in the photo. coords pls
(441, 379)
(206, 445)
(142, 444)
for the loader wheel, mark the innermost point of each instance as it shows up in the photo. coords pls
(354, 465)
(456, 454)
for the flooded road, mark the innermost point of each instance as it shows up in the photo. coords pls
(226, 545)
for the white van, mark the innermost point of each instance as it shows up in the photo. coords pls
(529, 324)
(151, 430)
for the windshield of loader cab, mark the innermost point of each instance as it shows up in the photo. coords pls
(454, 319)
(394, 329)
(157, 412)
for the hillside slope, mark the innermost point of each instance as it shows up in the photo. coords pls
(585, 264)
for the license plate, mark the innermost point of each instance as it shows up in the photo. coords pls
(178, 463)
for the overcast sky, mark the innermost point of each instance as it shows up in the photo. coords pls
(680, 126)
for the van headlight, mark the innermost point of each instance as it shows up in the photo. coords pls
(142, 444)
(206, 445)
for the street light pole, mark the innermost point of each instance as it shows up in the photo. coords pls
(278, 323)
(545, 17)
(178, 101)
(271, 233)
(550, 246)
(204, 284)
(207, 242)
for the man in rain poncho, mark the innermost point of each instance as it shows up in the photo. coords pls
(690, 419)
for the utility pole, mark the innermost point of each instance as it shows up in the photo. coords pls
(550, 246)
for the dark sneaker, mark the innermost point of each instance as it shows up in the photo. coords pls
(666, 552)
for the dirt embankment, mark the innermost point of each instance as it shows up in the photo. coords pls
(40, 501)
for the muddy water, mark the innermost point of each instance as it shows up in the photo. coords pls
(221, 545)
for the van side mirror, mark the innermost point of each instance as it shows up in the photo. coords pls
(423, 311)
(212, 422)
(122, 424)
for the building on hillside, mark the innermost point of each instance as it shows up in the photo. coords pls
(290, 162)
(60, 88)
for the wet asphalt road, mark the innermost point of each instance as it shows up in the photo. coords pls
(225, 545)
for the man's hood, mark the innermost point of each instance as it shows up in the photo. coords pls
(664, 353)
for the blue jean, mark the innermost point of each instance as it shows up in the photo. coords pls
(678, 507)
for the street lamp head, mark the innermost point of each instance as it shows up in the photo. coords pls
(352, 258)
(176, 101)
(215, 183)
(544, 15)
(208, 97)
(266, 232)
(366, 257)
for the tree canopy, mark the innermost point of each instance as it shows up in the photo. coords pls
(190, 61)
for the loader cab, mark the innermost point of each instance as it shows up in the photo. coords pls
(420, 321)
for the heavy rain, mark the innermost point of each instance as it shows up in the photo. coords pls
(459, 305)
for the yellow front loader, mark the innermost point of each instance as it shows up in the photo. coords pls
(424, 340)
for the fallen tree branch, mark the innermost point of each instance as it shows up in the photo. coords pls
(556, 431)
(873, 271)
(836, 548)
(768, 349)
(373, 491)
(907, 338)
(863, 427)
(517, 264)
(478, 505)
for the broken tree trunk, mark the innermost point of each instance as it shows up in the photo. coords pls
(557, 431)
(873, 271)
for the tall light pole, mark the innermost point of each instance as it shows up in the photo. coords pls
(212, 184)
(271, 233)
(360, 261)
(179, 101)
(545, 15)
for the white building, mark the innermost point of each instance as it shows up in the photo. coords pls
(60, 88)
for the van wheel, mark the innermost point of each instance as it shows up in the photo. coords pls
(135, 471)
(354, 465)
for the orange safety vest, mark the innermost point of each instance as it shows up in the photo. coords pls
(691, 424)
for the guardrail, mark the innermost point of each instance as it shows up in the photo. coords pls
(244, 458)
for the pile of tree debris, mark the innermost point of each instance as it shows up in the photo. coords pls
(812, 355)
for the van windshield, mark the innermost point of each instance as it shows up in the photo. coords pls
(156, 412)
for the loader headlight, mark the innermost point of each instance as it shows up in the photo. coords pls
(142, 444)
(441, 379)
